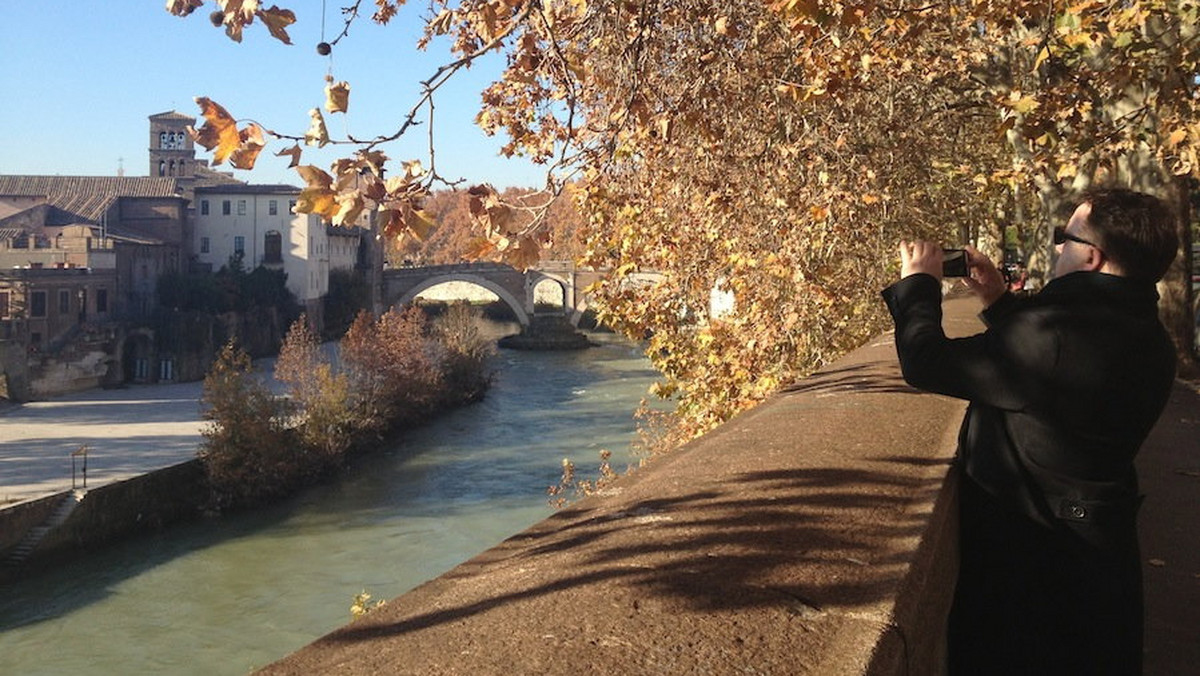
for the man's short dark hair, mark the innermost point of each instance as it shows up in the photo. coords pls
(1134, 229)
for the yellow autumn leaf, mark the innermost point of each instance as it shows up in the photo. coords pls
(219, 132)
(1022, 104)
(337, 97)
(317, 197)
(318, 201)
(1042, 56)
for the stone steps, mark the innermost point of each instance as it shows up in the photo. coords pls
(19, 554)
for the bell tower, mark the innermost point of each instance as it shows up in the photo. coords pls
(172, 153)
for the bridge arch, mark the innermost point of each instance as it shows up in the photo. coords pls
(517, 305)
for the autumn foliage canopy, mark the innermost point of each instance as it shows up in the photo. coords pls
(773, 152)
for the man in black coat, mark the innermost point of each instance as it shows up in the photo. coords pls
(1064, 386)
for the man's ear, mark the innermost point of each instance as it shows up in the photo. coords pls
(1097, 261)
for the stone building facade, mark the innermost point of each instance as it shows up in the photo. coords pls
(81, 257)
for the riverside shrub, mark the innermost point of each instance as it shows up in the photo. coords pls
(394, 371)
(320, 397)
(248, 451)
(394, 375)
(464, 353)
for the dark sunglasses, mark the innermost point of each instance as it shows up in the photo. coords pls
(1061, 236)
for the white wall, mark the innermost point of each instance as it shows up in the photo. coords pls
(305, 245)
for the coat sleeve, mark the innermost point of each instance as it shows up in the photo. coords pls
(1008, 366)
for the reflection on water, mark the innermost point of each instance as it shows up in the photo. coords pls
(226, 595)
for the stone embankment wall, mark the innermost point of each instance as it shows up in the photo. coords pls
(142, 504)
(16, 520)
(813, 534)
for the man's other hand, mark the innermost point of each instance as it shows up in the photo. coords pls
(985, 279)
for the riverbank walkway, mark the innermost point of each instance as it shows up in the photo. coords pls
(128, 432)
(141, 428)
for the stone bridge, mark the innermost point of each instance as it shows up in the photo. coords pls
(559, 284)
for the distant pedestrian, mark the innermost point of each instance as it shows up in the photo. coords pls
(1064, 386)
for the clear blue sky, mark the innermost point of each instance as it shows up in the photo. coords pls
(80, 79)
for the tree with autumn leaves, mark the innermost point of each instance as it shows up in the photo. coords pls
(777, 151)
(392, 373)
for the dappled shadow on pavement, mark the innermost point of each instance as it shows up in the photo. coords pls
(800, 540)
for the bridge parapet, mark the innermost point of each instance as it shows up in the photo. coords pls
(810, 535)
(517, 288)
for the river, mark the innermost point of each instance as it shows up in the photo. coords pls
(227, 595)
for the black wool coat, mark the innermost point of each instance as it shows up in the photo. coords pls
(1064, 386)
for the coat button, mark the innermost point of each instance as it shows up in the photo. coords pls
(1078, 512)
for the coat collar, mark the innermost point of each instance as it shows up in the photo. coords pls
(1101, 288)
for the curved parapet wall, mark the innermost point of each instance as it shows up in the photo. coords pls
(810, 535)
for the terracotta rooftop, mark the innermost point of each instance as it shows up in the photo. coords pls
(85, 198)
(249, 189)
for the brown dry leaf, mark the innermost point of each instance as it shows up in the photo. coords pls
(337, 97)
(219, 133)
(183, 7)
(491, 214)
(277, 21)
(295, 153)
(524, 255)
(318, 134)
(250, 146)
(350, 209)
(422, 224)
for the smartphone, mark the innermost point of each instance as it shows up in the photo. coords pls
(954, 263)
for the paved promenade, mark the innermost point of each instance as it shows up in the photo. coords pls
(127, 432)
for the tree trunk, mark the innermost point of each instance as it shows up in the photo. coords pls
(1177, 297)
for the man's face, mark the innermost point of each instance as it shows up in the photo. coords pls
(1074, 256)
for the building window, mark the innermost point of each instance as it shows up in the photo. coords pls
(166, 370)
(162, 168)
(204, 245)
(101, 300)
(273, 247)
(273, 208)
(291, 206)
(37, 304)
(226, 207)
(239, 246)
(64, 301)
(4, 305)
(141, 369)
(241, 207)
(203, 207)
